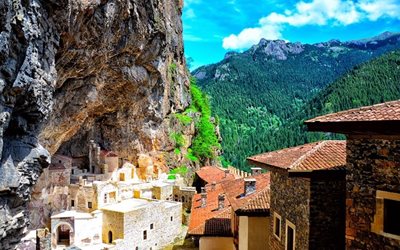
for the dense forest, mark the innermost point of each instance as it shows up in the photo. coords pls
(262, 101)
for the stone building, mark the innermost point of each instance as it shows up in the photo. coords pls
(373, 173)
(307, 203)
(75, 228)
(249, 199)
(141, 224)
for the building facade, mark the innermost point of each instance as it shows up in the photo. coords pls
(373, 173)
(307, 205)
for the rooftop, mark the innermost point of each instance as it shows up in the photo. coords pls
(57, 166)
(321, 155)
(257, 202)
(107, 153)
(72, 213)
(214, 174)
(209, 220)
(381, 118)
(127, 206)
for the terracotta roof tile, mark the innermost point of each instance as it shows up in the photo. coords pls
(107, 153)
(214, 174)
(388, 111)
(314, 156)
(210, 220)
(254, 202)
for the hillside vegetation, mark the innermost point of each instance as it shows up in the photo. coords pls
(262, 99)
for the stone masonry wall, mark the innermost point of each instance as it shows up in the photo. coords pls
(372, 164)
(290, 199)
(164, 231)
(327, 213)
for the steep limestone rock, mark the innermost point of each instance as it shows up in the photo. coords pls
(71, 70)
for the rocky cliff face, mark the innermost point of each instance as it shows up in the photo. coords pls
(71, 70)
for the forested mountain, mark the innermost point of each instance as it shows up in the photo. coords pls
(261, 96)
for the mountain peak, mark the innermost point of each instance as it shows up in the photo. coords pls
(278, 49)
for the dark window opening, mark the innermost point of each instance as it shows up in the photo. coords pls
(151, 226)
(110, 238)
(89, 204)
(277, 230)
(145, 234)
(172, 218)
(391, 221)
(290, 238)
(72, 203)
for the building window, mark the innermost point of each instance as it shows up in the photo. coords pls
(137, 248)
(89, 204)
(183, 198)
(387, 216)
(72, 203)
(277, 226)
(290, 236)
(151, 226)
(391, 217)
(145, 234)
(105, 198)
(172, 218)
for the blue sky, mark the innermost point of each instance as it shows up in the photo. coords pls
(214, 27)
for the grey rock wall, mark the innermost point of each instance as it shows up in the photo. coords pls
(71, 70)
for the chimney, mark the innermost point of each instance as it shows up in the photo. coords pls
(221, 201)
(226, 172)
(203, 198)
(255, 171)
(213, 184)
(249, 186)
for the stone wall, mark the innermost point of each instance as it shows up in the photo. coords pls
(372, 164)
(154, 218)
(327, 212)
(290, 199)
(82, 195)
(184, 195)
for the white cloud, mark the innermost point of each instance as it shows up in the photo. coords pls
(251, 36)
(380, 8)
(189, 13)
(315, 12)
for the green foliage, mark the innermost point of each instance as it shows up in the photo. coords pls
(177, 151)
(182, 170)
(262, 102)
(178, 139)
(184, 119)
(172, 68)
(190, 156)
(205, 142)
(171, 177)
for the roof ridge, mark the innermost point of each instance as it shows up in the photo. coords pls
(352, 110)
(306, 155)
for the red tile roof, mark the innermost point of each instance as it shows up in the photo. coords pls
(257, 202)
(209, 220)
(212, 174)
(314, 156)
(108, 153)
(388, 111)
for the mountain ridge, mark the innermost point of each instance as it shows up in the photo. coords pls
(256, 91)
